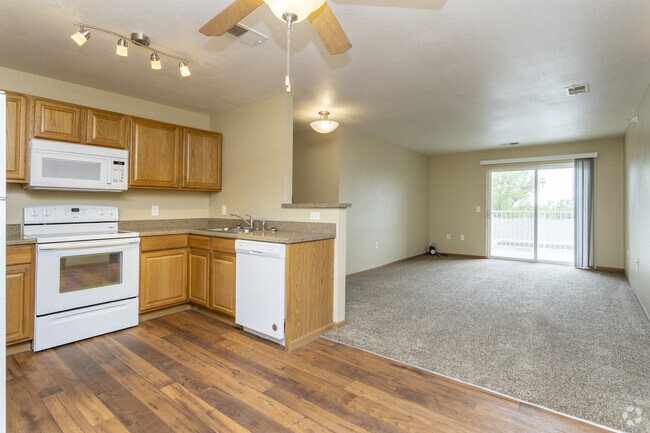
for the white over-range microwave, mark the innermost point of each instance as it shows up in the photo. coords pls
(77, 167)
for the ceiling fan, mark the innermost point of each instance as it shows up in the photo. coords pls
(317, 12)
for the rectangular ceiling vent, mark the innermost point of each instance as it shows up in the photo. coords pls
(577, 89)
(246, 35)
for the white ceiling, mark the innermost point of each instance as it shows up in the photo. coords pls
(432, 77)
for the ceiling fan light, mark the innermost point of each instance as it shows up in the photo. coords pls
(185, 70)
(301, 8)
(122, 48)
(324, 125)
(155, 61)
(81, 37)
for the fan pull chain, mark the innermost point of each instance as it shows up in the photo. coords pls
(289, 18)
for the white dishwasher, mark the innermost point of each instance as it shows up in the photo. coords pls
(259, 299)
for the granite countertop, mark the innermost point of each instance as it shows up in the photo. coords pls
(13, 239)
(281, 236)
(288, 232)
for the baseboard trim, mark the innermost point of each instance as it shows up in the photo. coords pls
(310, 336)
(164, 312)
(387, 264)
(638, 298)
(341, 324)
(219, 316)
(463, 256)
(606, 269)
(25, 346)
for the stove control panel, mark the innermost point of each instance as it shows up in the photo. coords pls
(69, 214)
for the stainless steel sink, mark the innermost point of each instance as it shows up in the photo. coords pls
(230, 230)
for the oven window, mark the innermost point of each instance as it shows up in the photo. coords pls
(90, 271)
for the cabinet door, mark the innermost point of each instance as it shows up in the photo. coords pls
(155, 153)
(199, 277)
(57, 120)
(163, 278)
(20, 303)
(222, 287)
(201, 160)
(16, 141)
(104, 128)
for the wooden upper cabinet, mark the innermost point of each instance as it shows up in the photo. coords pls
(154, 154)
(16, 137)
(57, 120)
(201, 160)
(104, 128)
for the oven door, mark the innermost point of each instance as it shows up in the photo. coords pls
(79, 274)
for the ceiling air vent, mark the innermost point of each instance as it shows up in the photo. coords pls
(246, 35)
(577, 89)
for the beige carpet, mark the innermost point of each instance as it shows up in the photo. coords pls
(575, 341)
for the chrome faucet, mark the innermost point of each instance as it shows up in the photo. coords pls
(250, 224)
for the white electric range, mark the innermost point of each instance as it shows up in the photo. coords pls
(87, 273)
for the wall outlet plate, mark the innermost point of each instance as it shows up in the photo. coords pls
(448, 236)
(377, 244)
(314, 216)
(478, 209)
(154, 210)
(223, 209)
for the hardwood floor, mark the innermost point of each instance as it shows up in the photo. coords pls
(191, 373)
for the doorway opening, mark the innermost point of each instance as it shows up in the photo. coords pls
(532, 214)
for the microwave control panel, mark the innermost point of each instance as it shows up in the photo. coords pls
(118, 172)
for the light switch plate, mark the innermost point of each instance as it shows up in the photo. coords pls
(478, 209)
(314, 216)
(448, 235)
(154, 210)
(462, 237)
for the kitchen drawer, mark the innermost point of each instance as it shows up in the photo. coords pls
(165, 242)
(223, 245)
(201, 242)
(18, 255)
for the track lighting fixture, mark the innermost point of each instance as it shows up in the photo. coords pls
(185, 70)
(155, 61)
(122, 46)
(324, 124)
(81, 37)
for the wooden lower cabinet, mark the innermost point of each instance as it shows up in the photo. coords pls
(20, 294)
(222, 285)
(163, 278)
(199, 277)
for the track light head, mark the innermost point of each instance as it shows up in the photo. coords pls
(122, 48)
(155, 61)
(81, 37)
(185, 70)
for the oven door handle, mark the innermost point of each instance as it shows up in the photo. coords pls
(67, 246)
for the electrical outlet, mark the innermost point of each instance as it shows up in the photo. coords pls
(223, 209)
(154, 210)
(377, 244)
(478, 209)
(462, 237)
(448, 236)
(314, 216)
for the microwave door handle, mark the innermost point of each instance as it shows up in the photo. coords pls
(109, 174)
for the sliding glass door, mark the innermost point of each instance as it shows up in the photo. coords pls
(531, 214)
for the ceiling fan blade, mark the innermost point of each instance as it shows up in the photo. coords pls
(329, 30)
(230, 16)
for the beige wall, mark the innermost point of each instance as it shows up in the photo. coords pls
(257, 174)
(133, 204)
(389, 191)
(316, 167)
(637, 203)
(458, 184)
